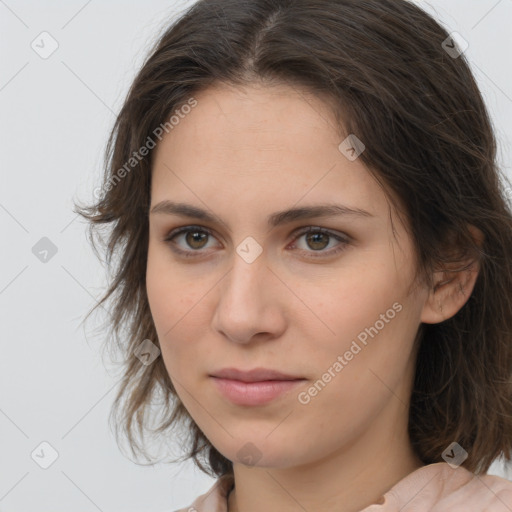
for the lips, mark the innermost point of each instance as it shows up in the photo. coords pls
(254, 375)
(253, 387)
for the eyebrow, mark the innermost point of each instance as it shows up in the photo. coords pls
(278, 218)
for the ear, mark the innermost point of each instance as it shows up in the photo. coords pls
(452, 288)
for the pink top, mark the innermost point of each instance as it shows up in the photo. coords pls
(435, 484)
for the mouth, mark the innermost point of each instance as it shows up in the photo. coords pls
(253, 387)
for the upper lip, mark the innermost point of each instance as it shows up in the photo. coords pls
(254, 375)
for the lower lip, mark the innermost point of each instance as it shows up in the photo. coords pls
(254, 393)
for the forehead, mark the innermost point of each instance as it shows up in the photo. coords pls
(256, 117)
(241, 144)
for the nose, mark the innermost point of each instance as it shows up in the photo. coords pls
(249, 304)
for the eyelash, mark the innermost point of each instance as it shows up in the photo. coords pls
(344, 241)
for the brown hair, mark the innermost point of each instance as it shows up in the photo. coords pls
(428, 139)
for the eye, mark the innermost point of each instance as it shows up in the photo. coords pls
(316, 239)
(194, 236)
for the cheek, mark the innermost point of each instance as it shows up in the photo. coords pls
(347, 395)
(365, 338)
(176, 302)
(166, 305)
(170, 292)
(350, 305)
(159, 288)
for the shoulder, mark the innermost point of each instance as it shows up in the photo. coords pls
(442, 488)
(432, 488)
(213, 500)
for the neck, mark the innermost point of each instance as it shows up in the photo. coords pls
(347, 480)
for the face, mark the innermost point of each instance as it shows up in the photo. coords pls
(248, 287)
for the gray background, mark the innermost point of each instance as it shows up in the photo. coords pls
(56, 114)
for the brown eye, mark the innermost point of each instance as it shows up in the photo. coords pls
(317, 241)
(196, 239)
(193, 240)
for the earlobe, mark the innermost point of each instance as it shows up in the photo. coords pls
(452, 288)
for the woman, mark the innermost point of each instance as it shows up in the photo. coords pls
(311, 231)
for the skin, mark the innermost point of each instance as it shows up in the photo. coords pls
(243, 154)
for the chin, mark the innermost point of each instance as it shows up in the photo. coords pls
(257, 451)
